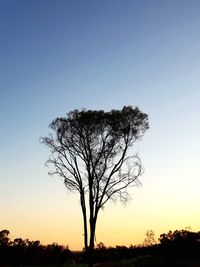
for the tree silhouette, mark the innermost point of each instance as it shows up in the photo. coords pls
(26, 252)
(91, 150)
(149, 239)
(4, 239)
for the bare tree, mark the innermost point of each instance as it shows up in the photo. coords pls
(91, 150)
(150, 238)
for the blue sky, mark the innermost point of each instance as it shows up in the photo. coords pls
(56, 56)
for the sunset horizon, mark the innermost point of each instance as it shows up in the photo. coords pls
(100, 57)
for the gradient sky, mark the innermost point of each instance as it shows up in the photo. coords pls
(56, 56)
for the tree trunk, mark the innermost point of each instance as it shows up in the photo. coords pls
(85, 230)
(91, 246)
(84, 221)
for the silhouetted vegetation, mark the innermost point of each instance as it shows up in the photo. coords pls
(175, 248)
(26, 252)
(181, 243)
(171, 247)
(90, 150)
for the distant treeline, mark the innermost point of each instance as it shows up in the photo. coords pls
(20, 252)
(183, 244)
(179, 244)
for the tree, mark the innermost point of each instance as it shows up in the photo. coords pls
(150, 238)
(91, 150)
(4, 238)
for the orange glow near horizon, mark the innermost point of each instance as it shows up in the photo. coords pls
(117, 225)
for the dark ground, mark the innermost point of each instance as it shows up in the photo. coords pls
(151, 262)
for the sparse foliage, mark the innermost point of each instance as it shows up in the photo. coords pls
(150, 238)
(91, 150)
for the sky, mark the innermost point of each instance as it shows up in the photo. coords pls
(56, 56)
